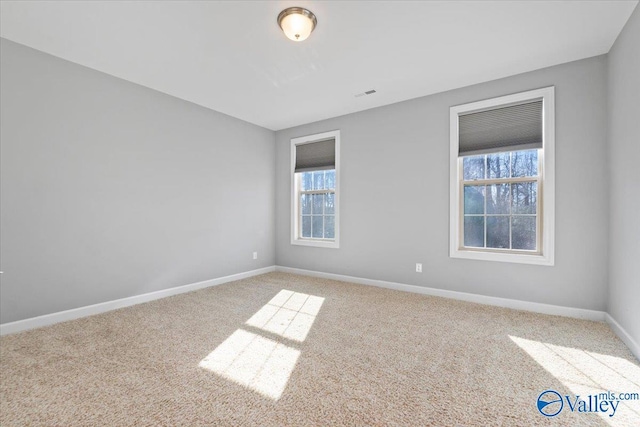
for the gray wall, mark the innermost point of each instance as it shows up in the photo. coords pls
(395, 194)
(110, 189)
(624, 160)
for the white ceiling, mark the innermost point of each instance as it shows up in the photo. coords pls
(233, 58)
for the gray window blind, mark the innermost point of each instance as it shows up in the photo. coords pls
(510, 128)
(320, 155)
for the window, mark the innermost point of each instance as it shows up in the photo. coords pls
(502, 179)
(315, 182)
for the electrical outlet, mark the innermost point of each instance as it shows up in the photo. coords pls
(255, 255)
(418, 267)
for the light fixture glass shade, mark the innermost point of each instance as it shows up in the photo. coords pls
(297, 23)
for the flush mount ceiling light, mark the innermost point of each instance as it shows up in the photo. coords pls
(297, 23)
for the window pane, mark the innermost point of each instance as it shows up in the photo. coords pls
(524, 199)
(306, 226)
(305, 204)
(329, 227)
(498, 165)
(329, 203)
(524, 163)
(318, 180)
(498, 199)
(473, 167)
(474, 199)
(306, 181)
(318, 201)
(474, 231)
(498, 232)
(330, 179)
(317, 226)
(523, 232)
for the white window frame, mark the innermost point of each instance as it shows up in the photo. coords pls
(546, 190)
(296, 238)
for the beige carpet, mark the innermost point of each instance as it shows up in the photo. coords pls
(281, 349)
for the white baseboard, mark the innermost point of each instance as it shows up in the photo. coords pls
(557, 310)
(62, 316)
(624, 336)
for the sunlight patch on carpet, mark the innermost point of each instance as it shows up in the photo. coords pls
(588, 373)
(263, 364)
(253, 361)
(288, 314)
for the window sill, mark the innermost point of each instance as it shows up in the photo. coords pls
(518, 258)
(316, 243)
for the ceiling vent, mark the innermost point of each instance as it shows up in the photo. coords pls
(369, 92)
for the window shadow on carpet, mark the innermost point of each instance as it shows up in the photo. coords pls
(586, 373)
(263, 362)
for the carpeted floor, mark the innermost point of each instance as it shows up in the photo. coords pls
(288, 350)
